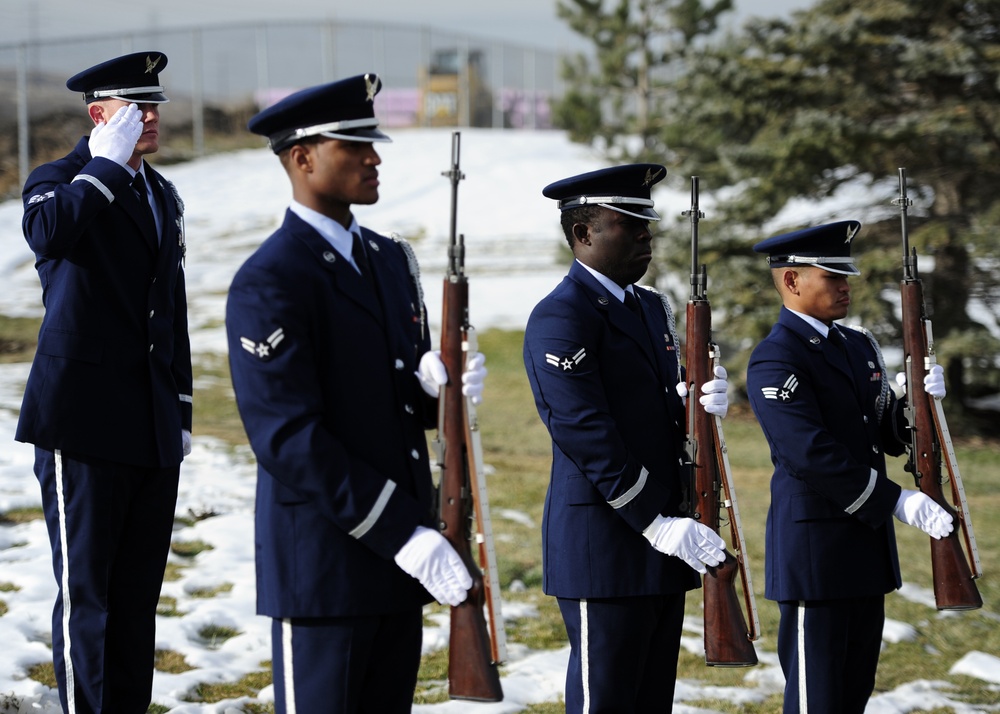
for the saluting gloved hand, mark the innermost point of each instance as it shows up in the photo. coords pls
(433, 375)
(933, 381)
(715, 393)
(185, 441)
(915, 508)
(429, 557)
(694, 543)
(115, 140)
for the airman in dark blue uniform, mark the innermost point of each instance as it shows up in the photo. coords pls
(822, 397)
(336, 382)
(108, 400)
(602, 359)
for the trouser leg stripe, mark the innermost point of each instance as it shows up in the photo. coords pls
(288, 665)
(585, 655)
(67, 605)
(801, 634)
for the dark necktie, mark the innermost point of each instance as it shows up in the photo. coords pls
(632, 303)
(361, 258)
(837, 339)
(139, 186)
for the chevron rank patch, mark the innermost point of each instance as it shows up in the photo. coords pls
(785, 392)
(566, 364)
(264, 349)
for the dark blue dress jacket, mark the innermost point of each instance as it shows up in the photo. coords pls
(604, 384)
(111, 377)
(324, 374)
(829, 419)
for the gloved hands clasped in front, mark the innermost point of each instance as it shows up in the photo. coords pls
(694, 543)
(115, 139)
(715, 393)
(432, 375)
(915, 508)
(430, 558)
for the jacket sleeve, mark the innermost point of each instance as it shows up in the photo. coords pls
(561, 355)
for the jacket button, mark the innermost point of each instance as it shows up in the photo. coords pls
(408, 408)
(151, 348)
(415, 454)
(399, 364)
(151, 313)
(874, 449)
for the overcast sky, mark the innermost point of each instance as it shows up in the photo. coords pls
(529, 22)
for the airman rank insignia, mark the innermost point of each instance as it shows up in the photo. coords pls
(39, 197)
(265, 348)
(566, 364)
(783, 393)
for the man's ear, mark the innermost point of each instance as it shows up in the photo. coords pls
(96, 112)
(790, 281)
(300, 157)
(581, 233)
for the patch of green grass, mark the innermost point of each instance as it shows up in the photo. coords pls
(44, 673)
(9, 588)
(215, 635)
(18, 336)
(432, 684)
(155, 708)
(215, 412)
(167, 607)
(211, 592)
(16, 516)
(170, 661)
(189, 548)
(3, 608)
(247, 686)
(174, 572)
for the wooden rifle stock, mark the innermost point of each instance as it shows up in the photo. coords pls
(954, 585)
(728, 640)
(472, 671)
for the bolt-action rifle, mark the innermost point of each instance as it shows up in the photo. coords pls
(728, 640)
(930, 440)
(475, 650)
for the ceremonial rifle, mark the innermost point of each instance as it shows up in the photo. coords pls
(473, 656)
(930, 440)
(728, 640)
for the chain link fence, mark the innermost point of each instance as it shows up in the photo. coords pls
(219, 76)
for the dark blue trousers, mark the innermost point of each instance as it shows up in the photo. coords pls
(623, 653)
(109, 525)
(346, 665)
(829, 653)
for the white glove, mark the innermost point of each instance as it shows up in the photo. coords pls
(933, 382)
(474, 377)
(186, 441)
(115, 140)
(429, 557)
(716, 399)
(915, 508)
(694, 543)
(432, 373)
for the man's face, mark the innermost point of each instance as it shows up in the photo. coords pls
(818, 293)
(345, 172)
(149, 140)
(616, 245)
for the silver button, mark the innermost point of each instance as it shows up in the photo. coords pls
(866, 418)
(408, 408)
(328, 256)
(152, 312)
(151, 348)
(399, 364)
(874, 449)
(415, 454)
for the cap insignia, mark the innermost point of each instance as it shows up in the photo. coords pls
(852, 230)
(370, 88)
(651, 176)
(151, 63)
